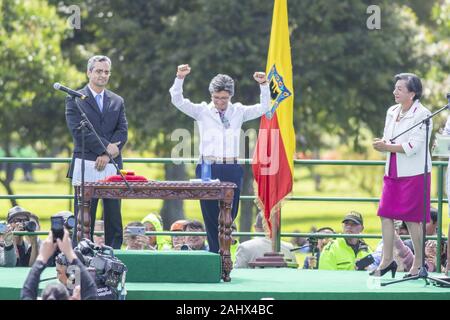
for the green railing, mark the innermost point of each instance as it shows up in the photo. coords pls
(441, 165)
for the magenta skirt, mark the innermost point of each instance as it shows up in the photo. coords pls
(402, 198)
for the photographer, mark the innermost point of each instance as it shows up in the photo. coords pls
(105, 268)
(27, 250)
(134, 237)
(345, 254)
(195, 242)
(69, 224)
(317, 245)
(87, 289)
(103, 292)
(7, 251)
(178, 241)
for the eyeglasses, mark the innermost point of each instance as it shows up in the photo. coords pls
(100, 71)
(19, 220)
(220, 98)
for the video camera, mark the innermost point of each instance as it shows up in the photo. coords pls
(108, 269)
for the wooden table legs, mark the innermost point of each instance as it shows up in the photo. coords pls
(225, 222)
(83, 218)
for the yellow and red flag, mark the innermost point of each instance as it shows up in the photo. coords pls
(273, 165)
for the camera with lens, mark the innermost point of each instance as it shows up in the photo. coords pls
(69, 219)
(108, 269)
(185, 247)
(29, 226)
(312, 241)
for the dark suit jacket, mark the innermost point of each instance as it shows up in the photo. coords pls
(111, 124)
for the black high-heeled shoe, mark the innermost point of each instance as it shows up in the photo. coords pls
(391, 267)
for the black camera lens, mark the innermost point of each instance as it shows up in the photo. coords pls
(185, 247)
(70, 222)
(30, 226)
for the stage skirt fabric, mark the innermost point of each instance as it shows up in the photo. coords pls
(402, 197)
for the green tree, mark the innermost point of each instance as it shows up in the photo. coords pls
(30, 62)
(344, 71)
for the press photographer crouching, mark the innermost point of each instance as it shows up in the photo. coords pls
(107, 271)
(84, 290)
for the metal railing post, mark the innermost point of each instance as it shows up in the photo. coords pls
(439, 227)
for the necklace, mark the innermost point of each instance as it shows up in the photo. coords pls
(402, 114)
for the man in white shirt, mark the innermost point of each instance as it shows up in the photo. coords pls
(219, 124)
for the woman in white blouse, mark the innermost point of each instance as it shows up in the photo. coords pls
(403, 186)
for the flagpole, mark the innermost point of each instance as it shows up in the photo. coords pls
(277, 124)
(276, 231)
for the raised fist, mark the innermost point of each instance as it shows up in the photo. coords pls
(260, 77)
(183, 70)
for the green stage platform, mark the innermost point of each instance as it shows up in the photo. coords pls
(171, 266)
(252, 284)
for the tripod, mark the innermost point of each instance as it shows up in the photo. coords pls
(423, 273)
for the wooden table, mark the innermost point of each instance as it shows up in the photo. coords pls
(223, 192)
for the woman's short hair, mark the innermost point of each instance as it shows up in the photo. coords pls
(222, 82)
(413, 83)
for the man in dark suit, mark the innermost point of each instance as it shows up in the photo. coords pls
(106, 112)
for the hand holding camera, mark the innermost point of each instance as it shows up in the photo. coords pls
(65, 245)
(135, 230)
(57, 227)
(47, 249)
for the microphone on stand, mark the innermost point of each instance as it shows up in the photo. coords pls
(69, 91)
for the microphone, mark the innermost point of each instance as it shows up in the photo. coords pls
(69, 91)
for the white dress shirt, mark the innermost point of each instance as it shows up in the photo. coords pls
(95, 94)
(412, 162)
(216, 140)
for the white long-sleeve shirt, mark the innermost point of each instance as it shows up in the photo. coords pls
(216, 140)
(411, 162)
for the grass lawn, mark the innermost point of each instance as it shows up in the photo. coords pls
(336, 181)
